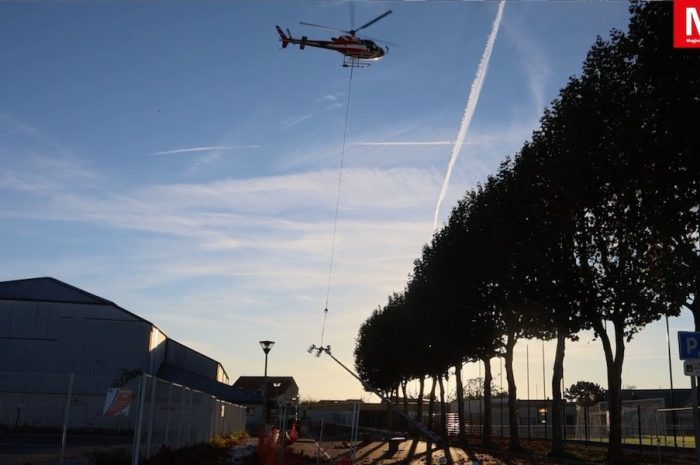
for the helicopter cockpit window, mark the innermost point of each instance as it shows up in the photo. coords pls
(370, 45)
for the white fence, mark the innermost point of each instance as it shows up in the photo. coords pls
(49, 417)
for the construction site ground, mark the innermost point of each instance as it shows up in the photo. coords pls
(413, 452)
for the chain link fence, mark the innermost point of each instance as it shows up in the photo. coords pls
(61, 419)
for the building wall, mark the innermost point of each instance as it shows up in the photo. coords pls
(157, 350)
(48, 337)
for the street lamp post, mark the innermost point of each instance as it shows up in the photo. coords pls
(266, 346)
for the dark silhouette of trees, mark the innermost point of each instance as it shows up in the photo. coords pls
(585, 393)
(667, 88)
(593, 224)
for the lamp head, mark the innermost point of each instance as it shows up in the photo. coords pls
(266, 345)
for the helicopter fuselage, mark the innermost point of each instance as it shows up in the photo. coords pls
(348, 45)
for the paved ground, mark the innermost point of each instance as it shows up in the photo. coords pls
(408, 452)
(377, 452)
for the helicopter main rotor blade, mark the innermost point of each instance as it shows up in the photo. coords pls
(371, 22)
(323, 27)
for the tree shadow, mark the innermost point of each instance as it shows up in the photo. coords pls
(363, 452)
(412, 449)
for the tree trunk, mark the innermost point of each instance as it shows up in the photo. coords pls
(396, 421)
(460, 403)
(514, 440)
(488, 377)
(431, 409)
(557, 375)
(614, 371)
(694, 307)
(443, 409)
(405, 396)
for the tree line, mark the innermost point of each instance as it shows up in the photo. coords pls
(592, 225)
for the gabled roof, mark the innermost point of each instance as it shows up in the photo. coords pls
(254, 383)
(47, 290)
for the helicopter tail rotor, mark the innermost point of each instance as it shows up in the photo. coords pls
(285, 39)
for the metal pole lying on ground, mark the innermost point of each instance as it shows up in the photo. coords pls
(431, 435)
(320, 438)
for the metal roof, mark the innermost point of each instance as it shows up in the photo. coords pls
(47, 290)
(253, 383)
(212, 387)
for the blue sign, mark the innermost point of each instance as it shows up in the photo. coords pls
(688, 345)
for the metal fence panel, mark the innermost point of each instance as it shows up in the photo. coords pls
(43, 414)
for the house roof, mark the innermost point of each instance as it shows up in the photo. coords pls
(212, 387)
(254, 383)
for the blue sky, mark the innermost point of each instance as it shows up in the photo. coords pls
(171, 157)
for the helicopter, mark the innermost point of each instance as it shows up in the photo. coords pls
(357, 52)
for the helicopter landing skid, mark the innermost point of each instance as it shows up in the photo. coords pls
(352, 62)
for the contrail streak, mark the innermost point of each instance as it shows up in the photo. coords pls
(206, 149)
(471, 106)
(436, 142)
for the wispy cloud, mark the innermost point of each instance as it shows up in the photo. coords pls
(534, 61)
(35, 162)
(206, 149)
(331, 101)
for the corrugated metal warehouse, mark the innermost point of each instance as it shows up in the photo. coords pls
(50, 328)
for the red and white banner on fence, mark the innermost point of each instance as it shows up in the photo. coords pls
(117, 402)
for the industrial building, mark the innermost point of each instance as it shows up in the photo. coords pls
(50, 329)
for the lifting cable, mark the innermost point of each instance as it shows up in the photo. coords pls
(337, 205)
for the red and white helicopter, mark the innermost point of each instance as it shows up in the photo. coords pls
(358, 52)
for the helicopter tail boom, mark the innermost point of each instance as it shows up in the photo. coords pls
(283, 38)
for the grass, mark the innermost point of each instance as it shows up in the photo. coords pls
(538, 451)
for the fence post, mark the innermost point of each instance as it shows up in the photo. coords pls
(151, 412)
(189, 419)
(181, 424)
(214, 420)
(66, 415)
(139, 419)
(639, 426)
(169, 414)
